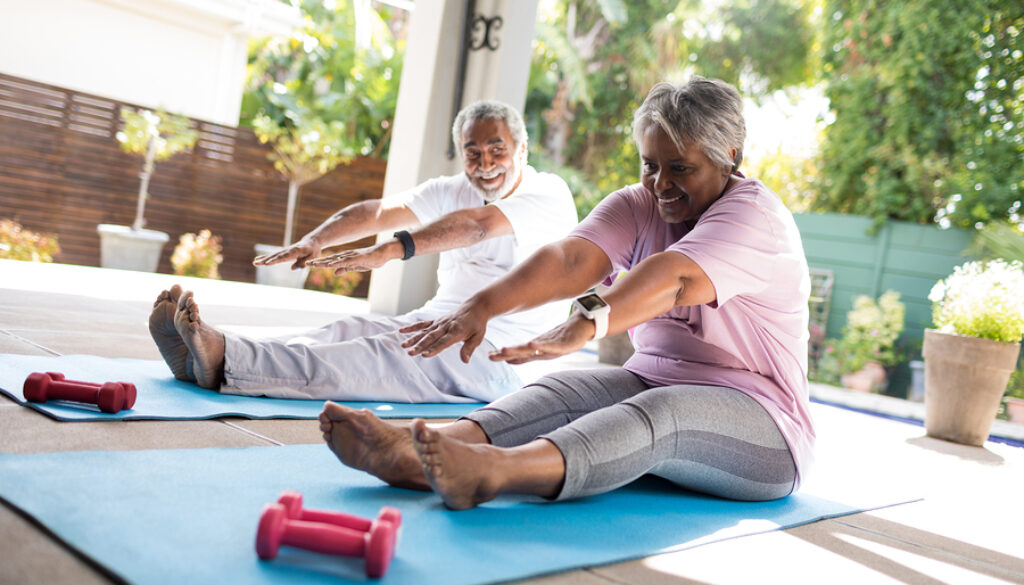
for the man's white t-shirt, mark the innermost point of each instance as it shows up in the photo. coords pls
(541, 211)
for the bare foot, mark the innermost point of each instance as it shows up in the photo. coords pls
(205, 343)
(161, 327)
(463, 474)
(362, 441)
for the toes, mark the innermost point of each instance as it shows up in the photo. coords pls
(185, 301)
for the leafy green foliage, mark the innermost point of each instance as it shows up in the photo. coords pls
(307, 149)
(927, 98)
(871, 331)
(594, 62)
(170, 134)
(338, 77)
(18, 243)
(198, 255)
(981, 299)
(998, 240)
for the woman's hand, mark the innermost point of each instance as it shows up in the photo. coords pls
(563, 339)
(300, 252)
(361, 259)
(467, 324)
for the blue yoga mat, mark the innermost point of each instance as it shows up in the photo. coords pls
(161, 397)
(190, 516)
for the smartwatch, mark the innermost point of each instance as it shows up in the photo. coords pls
(593, 307)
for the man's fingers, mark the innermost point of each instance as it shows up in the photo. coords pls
(468, 347)
(415, 327)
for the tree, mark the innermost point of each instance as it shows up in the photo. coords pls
(155, 136)
(929, 121)
(325, 94)
(595, 60)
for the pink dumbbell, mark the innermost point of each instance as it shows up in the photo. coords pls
(110, 397)
(376, 546)
(292, 502)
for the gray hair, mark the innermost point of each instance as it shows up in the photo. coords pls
(707, 113)
(493, 110)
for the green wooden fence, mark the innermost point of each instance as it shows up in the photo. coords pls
(906, 257)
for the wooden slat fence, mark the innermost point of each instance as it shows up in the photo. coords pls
(62, 171)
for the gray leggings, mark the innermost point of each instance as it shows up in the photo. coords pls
(612, 428)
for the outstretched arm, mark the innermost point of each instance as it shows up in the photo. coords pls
(457, 229)
(352, 223)
(559, 270)
(655, 285)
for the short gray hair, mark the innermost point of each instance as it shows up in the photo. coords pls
(704, 112)
(494, 110)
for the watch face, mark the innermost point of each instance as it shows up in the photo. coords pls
(591, 302)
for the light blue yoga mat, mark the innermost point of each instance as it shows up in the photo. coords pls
(161, 397)
(190, 516)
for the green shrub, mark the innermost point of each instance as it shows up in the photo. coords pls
(324, 279)
(18, 243)
(871, 331)
(197, 255)
(981, 299)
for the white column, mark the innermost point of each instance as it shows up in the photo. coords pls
(423, 116)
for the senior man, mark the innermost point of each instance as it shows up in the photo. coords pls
(483, 222)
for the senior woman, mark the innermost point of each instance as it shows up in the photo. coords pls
(714, 398)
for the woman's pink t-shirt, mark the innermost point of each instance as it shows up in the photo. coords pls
(753, 337)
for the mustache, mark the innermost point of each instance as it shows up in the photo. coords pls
(491, 173)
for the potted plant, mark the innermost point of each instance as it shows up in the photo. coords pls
(868, 346)
(305, 148)
(155, 136)
(978, 314)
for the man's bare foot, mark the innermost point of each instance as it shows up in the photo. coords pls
(161, 327)
(463, 474)
(362, 441)
(205, 343)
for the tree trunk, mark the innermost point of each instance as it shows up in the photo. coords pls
(293, 199)
(147, 171)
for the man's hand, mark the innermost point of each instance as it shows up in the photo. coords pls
(466, 324)
(563, 339)
(300, 253)
(362, 259)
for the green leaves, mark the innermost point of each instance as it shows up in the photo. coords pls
(338, 77)
(170, 134)
(981, 299)
(929, 121)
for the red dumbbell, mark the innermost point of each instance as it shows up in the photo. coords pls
(376, 546)
(292, 502)
(110, 397)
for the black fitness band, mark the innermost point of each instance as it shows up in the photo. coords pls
(407, 243)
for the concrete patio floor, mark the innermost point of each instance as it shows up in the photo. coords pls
(966, 528)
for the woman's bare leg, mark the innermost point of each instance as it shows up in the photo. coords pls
(468, 474)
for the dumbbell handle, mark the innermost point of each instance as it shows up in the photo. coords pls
(336, 518)
(323, 538)
(73, 390)
(292, 502)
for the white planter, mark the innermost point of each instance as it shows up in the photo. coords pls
(278, 274)
(128, 249)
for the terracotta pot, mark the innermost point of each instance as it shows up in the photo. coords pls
(870, 378)
(1014, 409)
(964, 379)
